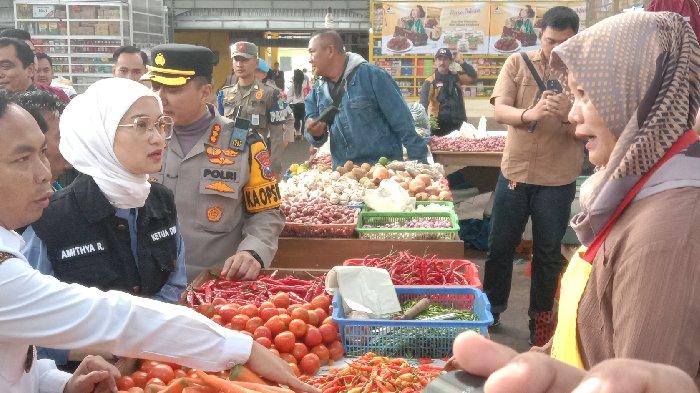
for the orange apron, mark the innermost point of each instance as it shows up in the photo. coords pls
(565, 340)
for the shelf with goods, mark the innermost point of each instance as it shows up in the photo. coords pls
(410, 71)
(81, 36)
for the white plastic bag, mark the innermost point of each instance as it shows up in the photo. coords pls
(389, 197)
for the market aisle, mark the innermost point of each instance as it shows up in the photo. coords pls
(513, 330)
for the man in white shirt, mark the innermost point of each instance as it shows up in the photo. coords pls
(40, 310)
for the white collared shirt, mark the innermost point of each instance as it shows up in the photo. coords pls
(40, 310)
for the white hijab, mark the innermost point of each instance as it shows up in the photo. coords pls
(88, 126)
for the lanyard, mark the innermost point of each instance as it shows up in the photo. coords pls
(687, 139)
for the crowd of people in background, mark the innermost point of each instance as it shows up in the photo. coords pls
(156, 149)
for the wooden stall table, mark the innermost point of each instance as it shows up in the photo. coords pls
(453, 161)
(317, 253)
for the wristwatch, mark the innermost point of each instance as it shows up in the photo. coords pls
(257, 258)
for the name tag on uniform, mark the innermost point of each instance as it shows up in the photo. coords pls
(164, 233)
(255, 119)
(438, 84)
(83, 250)
(263, 197)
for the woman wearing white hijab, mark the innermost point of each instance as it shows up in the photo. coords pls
(111, 228)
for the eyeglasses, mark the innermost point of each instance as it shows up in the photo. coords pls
(163, 126)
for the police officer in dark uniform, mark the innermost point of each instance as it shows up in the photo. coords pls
(220, 170)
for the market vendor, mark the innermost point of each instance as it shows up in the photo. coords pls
(225, 191)
(441, 95)
(358, 106)
(633, 293)
(111, 228)
(36, 309)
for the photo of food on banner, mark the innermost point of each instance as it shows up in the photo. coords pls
(516, 27)
(413, 28)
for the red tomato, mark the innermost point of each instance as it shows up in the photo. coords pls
(206, 309)
(140, 378)
(281, 300)
(228, 311)
(262, 331)
(313, 337)
(337, 350)
(329, 333)
(285, 319)
(147, 365)
(320, 313)
(284, 342)
(125, 383)
(265, 305)
(310, 364)
(154, 381)
(218, 301)
(289, 358)
(267, 313)
(264, 341)
(299, 351)
(313, 319)
(300, 313)
(281, 311)
(180, 373)
(298, 327)
(253, 323)
(250, 310)
(162, 372)
(218, 319)
(229, 326)
(322, 302)
(330, 321)
(308, 306)
(276, 325)
(322, 352)
(239, 321)
(292, 307)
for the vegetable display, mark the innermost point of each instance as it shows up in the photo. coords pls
(302, 334)
(414, 223)
(159, 377)
(372, 373)
(317, 217)
(407, 269)
(436, 310)
(490, 144)
(255, 292)
(347, 185)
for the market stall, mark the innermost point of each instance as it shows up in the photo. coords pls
(81, 36)
(406, 34)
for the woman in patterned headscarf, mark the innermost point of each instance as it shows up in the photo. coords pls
(634, 290)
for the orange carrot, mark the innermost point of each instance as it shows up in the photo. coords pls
(199, 389)
(242, 373)
(223, 385)
(263, 388)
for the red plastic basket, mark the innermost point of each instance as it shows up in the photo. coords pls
(470, 270)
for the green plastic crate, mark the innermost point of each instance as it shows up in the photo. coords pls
(378, 218)
(444, 203)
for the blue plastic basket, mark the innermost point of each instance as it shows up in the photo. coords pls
(414, 339)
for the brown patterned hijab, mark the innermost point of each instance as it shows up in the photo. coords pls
(641, 71)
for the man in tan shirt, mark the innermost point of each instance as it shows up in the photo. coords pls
(540, 164)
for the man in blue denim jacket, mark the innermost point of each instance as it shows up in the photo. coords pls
(373, 120)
